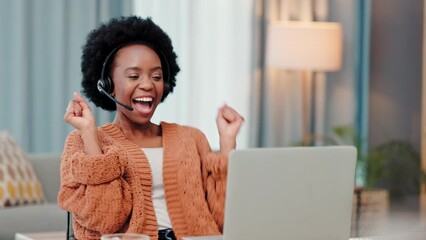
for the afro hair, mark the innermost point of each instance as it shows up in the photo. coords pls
(105, 39)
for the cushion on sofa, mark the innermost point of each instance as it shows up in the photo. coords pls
(19, 184)
(31, 218)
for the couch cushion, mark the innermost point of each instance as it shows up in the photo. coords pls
(31, 218)
(47, 168)
(19, 184)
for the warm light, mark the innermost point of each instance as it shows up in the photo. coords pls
(314, 46)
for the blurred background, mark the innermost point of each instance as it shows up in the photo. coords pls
(372, 99)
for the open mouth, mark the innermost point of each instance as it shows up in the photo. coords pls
(144, 104)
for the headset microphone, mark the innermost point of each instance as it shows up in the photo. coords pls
(101, 89)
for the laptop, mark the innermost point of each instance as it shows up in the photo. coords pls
(289, 193)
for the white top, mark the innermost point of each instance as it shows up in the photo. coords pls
(155, 158)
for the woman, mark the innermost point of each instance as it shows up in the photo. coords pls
(132, 175)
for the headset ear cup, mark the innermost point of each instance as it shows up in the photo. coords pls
(100, 85)
(108, 85)
(105, 85)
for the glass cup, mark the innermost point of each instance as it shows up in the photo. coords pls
(124, 236)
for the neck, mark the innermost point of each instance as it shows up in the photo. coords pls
(134, 130)
(147, 135)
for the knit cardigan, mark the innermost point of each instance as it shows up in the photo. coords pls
(112, 192)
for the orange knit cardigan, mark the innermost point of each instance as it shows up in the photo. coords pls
(112, 192)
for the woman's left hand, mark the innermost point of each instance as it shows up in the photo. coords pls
(228, 123)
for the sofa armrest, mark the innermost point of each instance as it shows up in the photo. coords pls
(47, 169)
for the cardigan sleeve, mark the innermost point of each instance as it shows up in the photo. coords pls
(214, 168)
(93, 187)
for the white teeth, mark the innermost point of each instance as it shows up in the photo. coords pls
(144, 99)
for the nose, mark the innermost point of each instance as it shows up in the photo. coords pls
(145, 83)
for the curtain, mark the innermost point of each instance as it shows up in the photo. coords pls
(362, 72)
(351, 84)
(40, 51)
(213, 41)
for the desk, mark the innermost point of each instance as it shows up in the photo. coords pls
(41, 236)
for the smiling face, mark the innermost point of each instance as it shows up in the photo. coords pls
(138, 81)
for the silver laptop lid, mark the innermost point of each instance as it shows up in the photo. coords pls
(290, 193)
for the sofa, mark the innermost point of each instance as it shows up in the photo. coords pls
(37, 217)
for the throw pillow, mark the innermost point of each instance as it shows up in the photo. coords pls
(19, 184)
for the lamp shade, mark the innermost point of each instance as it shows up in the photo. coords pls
(315, 46)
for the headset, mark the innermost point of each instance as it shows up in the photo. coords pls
(105, 84)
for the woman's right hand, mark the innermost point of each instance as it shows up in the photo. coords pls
(80, 116)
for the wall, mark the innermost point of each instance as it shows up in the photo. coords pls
(396, 71)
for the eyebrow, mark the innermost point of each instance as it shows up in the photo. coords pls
(138, 68)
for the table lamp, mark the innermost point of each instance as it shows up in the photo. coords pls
(305, 47)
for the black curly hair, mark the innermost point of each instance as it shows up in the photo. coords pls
(116, 33)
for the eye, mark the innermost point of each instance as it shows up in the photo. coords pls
(133, 76)
(157, 77)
